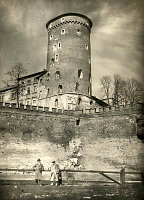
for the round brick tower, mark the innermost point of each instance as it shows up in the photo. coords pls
(69, 55)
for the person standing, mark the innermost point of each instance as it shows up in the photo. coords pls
(38, 168)
(55, 174)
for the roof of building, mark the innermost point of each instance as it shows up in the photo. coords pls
(34, 74)
(99, 101)
(69, 14)
(8, 88)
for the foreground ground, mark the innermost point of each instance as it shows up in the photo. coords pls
(83, 191)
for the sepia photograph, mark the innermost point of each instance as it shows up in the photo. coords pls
(72, 99)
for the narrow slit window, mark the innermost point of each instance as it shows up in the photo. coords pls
(77, 121)
(54, 47)
(89, 77)
(86, 46)
(51, 37)
(80, 74)
(63, 31)
(77, 87)
(48, 77)
(60, 88)
(88, 90)
(89, 60)
(62, 19)
(79, 101)
(56, 57)
(57, 74)
(56, 103)
(53, 60)
(78, 32)
(59, 45)
(48, 90)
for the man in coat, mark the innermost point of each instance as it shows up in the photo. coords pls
(55, 174)
(38, 168)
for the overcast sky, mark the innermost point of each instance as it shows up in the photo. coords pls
(116, 38)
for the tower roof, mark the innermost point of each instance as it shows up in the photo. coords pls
(69, 14)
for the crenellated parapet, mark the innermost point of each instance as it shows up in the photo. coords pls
(70, 22)
(112, 110)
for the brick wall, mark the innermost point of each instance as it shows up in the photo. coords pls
(104, 141)
(72, 55)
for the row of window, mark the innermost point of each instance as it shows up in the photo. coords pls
(63, 31)
(56, 58)
(55, 46)
(28, 82)
(59, 89)
(79, 102)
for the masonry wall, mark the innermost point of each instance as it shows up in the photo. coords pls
(103, 141)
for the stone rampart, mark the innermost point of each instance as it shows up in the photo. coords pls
(103, 139)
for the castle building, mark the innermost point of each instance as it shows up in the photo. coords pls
(66, 82)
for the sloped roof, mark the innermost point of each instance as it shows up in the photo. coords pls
(34, 74)
(8, 88)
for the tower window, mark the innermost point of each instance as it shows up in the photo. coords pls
(77, 121)
(51, 37)
(86, 46)
(89, 90)
(52, 60)
(60, 88)
(89, 60)
(80, 74)
(62, 19)
(57, 74)
(59, 45)
(77, 86)
(78, 32)
(54, 47)
(48, 90)
(89, 78)
(79, 101)
(48, 77)
(63, 31)
(56, 103)
(56, 57)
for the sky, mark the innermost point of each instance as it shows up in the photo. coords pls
(117, 35)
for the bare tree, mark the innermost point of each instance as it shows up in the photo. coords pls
(124, 91)
(133, 90)
(106, 86)
(14, 74)
(119, 85)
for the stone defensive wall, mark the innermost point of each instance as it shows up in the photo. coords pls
(104, 139)
(114, 110)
